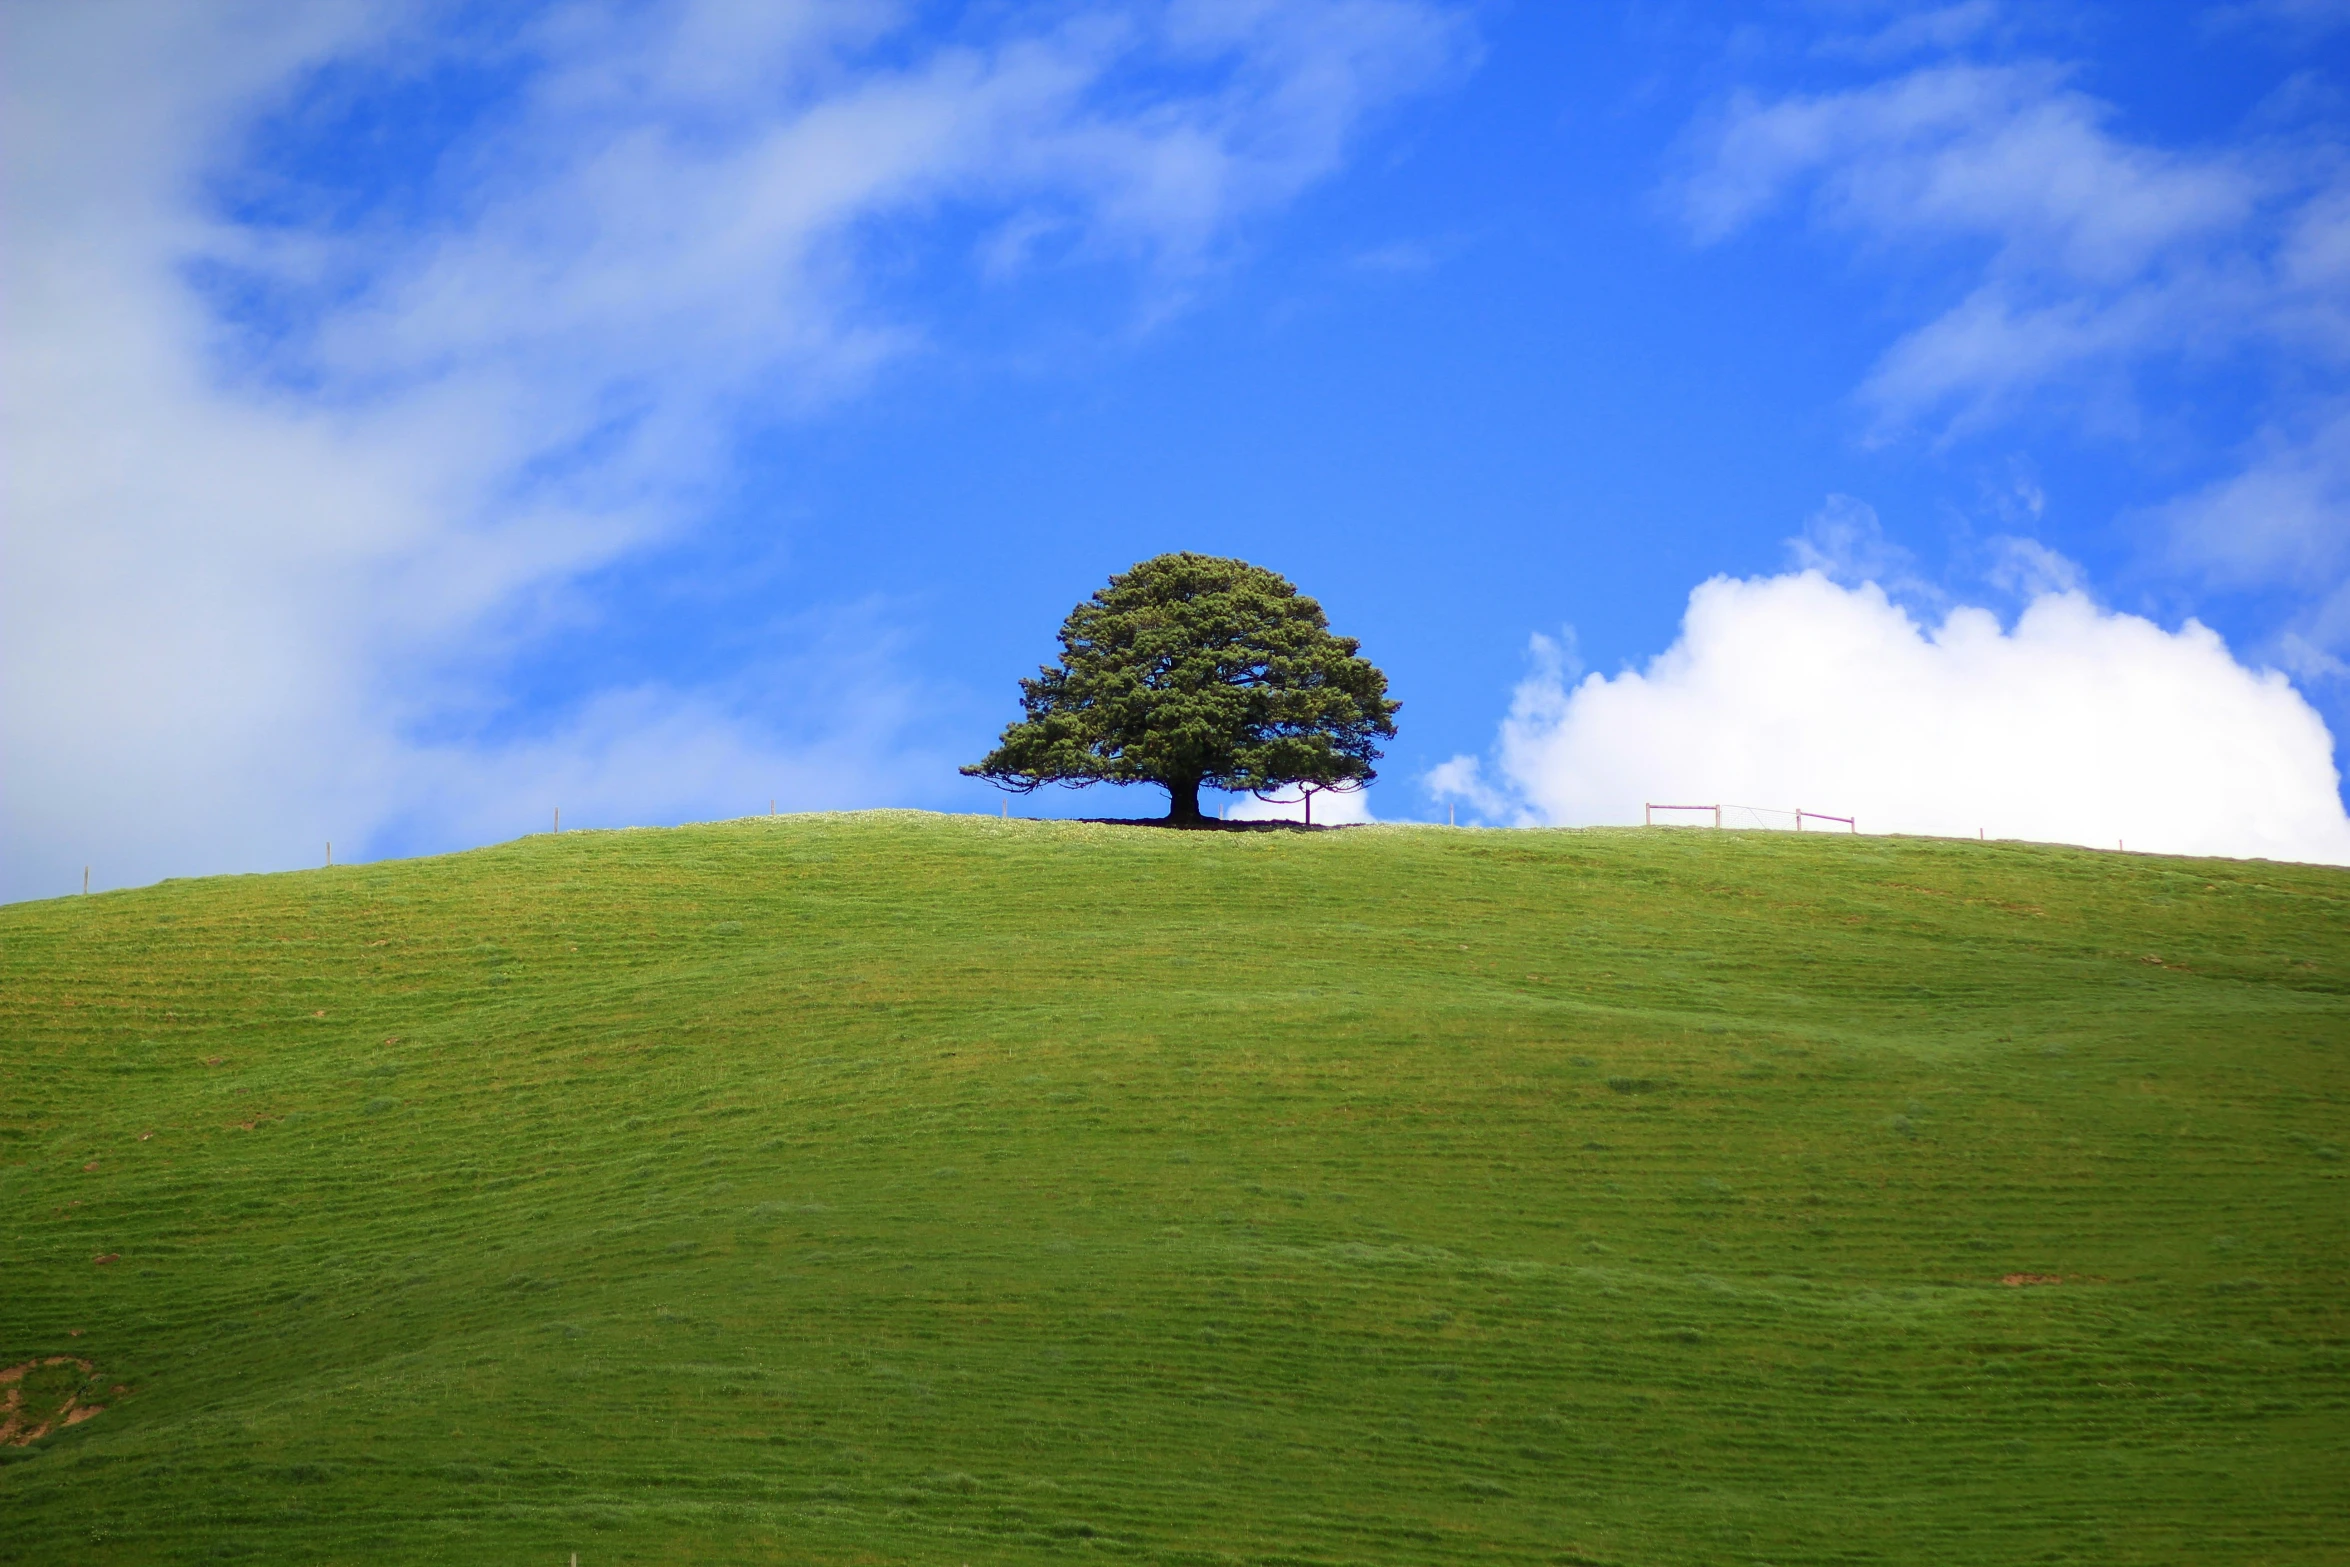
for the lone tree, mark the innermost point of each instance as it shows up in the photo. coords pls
(1190, 670)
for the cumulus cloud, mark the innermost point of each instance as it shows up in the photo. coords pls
(2090, 275)
(297, 465)
(2075, 725)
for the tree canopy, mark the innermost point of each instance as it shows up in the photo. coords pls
(1191, 670)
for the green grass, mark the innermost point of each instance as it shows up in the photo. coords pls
(900, 1188)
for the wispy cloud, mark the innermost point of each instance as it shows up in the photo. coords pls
(1845, 542)
(1918, 30)
(302, 451)
(2085, 276)
(2096, 252)
(2290, 21)
(2283, 516)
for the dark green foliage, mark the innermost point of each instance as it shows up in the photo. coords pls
(1192, 670)
(1345, 1249)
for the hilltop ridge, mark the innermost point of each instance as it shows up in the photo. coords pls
(894, 1187)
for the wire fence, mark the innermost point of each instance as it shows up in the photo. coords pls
(1769, 818)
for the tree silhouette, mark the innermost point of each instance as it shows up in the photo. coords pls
(1192, 670)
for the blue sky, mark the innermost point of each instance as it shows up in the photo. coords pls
(420, 418)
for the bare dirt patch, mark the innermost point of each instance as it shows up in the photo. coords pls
(48, 1394)
(2020, 1280)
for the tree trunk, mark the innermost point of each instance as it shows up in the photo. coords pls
(1183, 802)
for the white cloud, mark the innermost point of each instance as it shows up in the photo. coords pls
(2087, 266)
(1918, 30)
(2077, 725)
(2302, 657)
(652, 754)
(248, 571)
(1331, 807)
(2004, 153)
(2028, 569)
(2294, 21)
(1462, 779)
(2283, 517)
(1845, 541)
(2095, 252)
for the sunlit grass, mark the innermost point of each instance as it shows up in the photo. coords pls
(903, 1188)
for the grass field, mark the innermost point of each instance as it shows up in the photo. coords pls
(900, 1188)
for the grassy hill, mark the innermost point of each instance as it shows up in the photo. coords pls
(900, 1188)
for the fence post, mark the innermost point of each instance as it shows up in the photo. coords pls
(1717, 816)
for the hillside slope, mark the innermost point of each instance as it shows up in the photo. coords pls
(901, 1188)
